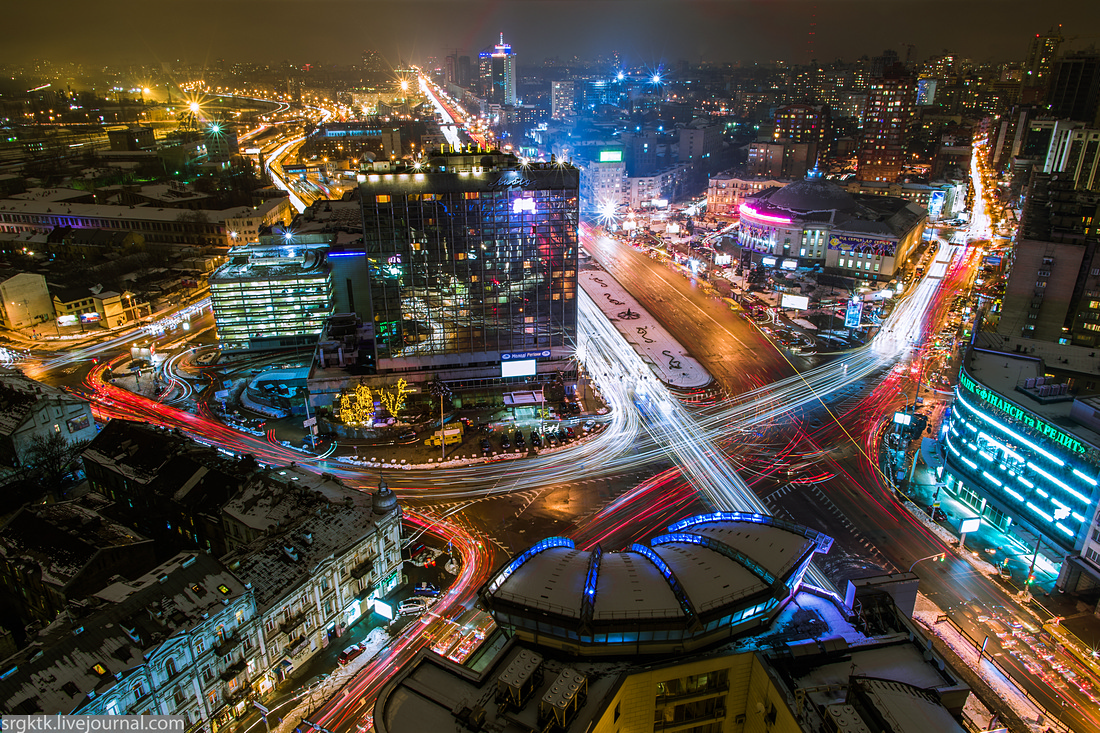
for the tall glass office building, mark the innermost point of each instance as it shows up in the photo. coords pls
(467, 257)
(274, 295)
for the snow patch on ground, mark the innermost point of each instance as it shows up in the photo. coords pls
(926, 614)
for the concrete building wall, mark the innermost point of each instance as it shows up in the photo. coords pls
(27, 301)
(1039, 291)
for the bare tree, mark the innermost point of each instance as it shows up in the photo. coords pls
(49, 461)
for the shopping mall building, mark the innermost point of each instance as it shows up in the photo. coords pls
(1022, 451)
(816, 222)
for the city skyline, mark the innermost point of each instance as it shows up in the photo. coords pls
(651, 32)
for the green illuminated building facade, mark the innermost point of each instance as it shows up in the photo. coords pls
(275, 295)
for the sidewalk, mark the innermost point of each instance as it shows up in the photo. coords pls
(667, 359)
(1004, 559)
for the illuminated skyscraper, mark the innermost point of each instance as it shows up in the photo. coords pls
(497, 71)
(469, 257)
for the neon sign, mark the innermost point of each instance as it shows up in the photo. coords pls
(747, 210)
(997, 402)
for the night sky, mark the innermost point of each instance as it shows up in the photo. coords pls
(647, 32)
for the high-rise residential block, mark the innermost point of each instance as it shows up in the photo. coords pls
(891, 103)
(561, 100)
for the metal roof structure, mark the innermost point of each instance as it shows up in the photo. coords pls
(712, 576)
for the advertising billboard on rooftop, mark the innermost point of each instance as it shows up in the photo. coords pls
(798, 302)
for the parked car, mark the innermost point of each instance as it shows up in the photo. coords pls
(570, 433)
(589, 425)
(519, 440)
(504, 442)
(351, 653)
(485, 446)
(536, 441)
(415, 606)
(425, 589)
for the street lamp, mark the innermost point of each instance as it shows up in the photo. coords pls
(939, 557)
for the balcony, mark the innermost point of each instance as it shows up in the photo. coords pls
(233, 670)
(232, 697)
(227, 644)
(288, 625)
(718, 714)
(297, 646)
(681, 698)
(362, 569)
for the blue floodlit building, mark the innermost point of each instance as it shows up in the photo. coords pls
(660, 597)
(1023, 451)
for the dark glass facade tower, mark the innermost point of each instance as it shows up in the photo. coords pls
(469, 256)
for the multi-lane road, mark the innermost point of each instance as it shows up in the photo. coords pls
(795, 437)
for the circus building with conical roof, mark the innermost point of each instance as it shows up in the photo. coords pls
(816, 223)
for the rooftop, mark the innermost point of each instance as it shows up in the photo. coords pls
(289, 261)
(52, 194)
(276, 564)
(19, 395)
(825, 201)
(1006, 372)
(58, 671)
(121, 213)
(706, 568)
(63, 538)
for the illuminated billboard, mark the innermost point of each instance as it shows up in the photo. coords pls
(799, 302)
(518, 368)
(853, 314)
(864, 245)
(611, 156)
(970, 524)
(521, 363)
(935, 204)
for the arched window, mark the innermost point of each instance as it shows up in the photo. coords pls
(170, 667)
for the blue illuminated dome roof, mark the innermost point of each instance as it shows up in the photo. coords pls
(711, 577)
